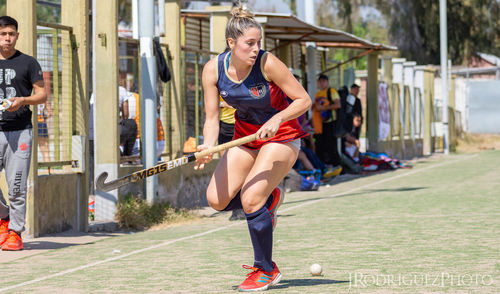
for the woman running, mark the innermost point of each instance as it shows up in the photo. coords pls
(257, 85)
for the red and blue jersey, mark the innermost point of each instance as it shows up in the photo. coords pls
(256, 100)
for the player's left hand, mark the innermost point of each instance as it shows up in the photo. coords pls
(16, 103)
(200, 162)
(270, 128)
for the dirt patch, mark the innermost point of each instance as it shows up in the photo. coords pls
(470, 143)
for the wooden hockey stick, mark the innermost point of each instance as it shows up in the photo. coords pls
(165, 166)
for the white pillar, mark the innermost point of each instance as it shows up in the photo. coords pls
(409, 81)
(148, 94)
(397, 78)
(444, 71)
(419, 83)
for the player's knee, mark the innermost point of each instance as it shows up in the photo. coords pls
(214, 202)
(217, 205)
(251, 204)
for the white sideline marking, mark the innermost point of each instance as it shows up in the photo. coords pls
(222, 228)
(113, 258)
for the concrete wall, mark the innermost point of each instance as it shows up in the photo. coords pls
(406, 149)
(57, 203)
(182, 187)
(58, 198)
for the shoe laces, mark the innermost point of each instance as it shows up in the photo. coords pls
(252, 268)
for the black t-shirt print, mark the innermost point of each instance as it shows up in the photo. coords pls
(17, 76)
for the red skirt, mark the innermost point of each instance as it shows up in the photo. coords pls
(287, 132)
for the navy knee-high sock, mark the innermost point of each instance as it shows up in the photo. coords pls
(261, 233)
(235, 203)
(269, 200)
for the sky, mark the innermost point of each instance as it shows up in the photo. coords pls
(256, 5)
(279, 6)
(275, 6)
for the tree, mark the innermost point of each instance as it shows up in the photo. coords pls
(293, 5)
(413, 26)
(346, 15)
(125, 11)
(49, 13)
(473, 26)
(45, 13)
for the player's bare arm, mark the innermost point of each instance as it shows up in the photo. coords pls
(276, 71)
(211, 99)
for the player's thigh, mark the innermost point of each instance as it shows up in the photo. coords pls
(229, 176)
(272, 164)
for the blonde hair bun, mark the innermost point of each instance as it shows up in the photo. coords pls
(242, 20)
(241, 12)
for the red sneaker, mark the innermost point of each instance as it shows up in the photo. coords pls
(259, 280)
(4, 230)
(13, 242)
(278, 197)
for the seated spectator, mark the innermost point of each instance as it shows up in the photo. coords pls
(351, 139)
(309, 161)
(128, 126)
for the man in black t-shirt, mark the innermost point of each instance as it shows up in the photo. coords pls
(21, 83)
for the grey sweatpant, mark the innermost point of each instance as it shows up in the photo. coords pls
(15, 156)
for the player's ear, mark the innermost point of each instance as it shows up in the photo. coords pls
(230, 43)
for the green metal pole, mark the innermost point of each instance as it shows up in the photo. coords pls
(168, 104)
(70, 109)
(55, 84)
(182, 100)
(196, 100)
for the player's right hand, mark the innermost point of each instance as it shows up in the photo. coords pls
(200, 162)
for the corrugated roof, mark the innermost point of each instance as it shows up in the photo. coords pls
(289, 28)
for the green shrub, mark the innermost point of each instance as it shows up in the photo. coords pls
(137, 214)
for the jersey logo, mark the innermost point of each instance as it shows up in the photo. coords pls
(223, 94)
(258, 91)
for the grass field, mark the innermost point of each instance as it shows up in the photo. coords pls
(430, 229)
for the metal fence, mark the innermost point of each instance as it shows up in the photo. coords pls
(130, 79)
(55, 51)
(194, 59)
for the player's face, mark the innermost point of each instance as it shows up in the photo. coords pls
(247, 46)
(8, 38)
